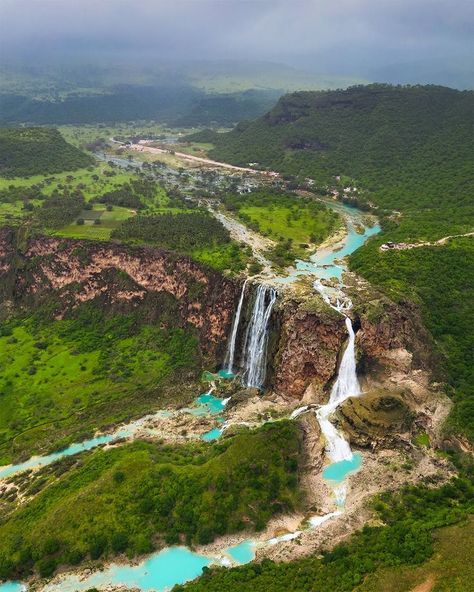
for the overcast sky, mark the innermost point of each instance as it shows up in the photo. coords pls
(324, 34)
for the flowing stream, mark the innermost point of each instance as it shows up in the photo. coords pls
(12, 587)
(255, 349)
(204, 404)
(327, 263)
(159, 572)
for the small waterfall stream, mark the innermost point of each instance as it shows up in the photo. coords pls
(255, 358)
(229, 361)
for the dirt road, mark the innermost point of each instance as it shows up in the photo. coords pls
(143, 147)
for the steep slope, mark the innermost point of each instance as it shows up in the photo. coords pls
(397, 142)
(93, 333)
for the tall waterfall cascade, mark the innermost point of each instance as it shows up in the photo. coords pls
(255, 351)
(346, 385)
(230, 356)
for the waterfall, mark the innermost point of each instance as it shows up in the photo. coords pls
(255, 359)
(346, 386)
(229, 361)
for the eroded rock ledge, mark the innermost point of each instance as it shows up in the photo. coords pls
(310, 340)
(306, 335)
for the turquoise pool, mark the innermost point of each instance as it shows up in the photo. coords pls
(338, 471)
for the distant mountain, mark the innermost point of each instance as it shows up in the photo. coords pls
(455, 73)
(231, 76)
(32, 151)
(181, 106)
(57, 80)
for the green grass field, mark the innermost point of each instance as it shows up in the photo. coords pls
(61, 379)
(90, 230)
(195, 148)
(84, 134)
(83, 179)
(297, 225)
(92, 182)
(297, 222)
(12, 213)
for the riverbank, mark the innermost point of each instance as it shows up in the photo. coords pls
(381, 471)
(384, 470)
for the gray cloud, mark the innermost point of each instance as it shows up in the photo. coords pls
(324, 33)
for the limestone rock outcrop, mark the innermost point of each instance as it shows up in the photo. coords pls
(311, 337)
(378, 418)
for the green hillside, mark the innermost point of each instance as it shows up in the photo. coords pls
(143, 495)
(31, 151)
(410, 538)
(407, 146)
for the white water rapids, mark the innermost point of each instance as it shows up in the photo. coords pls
(346, 385)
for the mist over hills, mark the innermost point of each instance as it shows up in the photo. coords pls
(184, 94)
(70, 89)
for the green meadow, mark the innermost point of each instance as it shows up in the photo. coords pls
(296, 224)
(62, 380)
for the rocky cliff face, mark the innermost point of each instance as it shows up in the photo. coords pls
(387, 330)
(393, 348)
(310, 340)
(307, 336)
(67, 273)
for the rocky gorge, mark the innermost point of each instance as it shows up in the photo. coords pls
(305, 334)
(305, 341)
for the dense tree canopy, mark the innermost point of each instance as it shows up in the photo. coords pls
(182, 231)
(404, 145)
(30, 151)
(130, 498)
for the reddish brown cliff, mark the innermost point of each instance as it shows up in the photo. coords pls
(71, 272)
(307, 336)
(391, 344)
(311, 337)
(391, 338)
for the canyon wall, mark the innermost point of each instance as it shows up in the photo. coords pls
(307, 349)
(306, 336)
(65, 273)
(393, 347)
